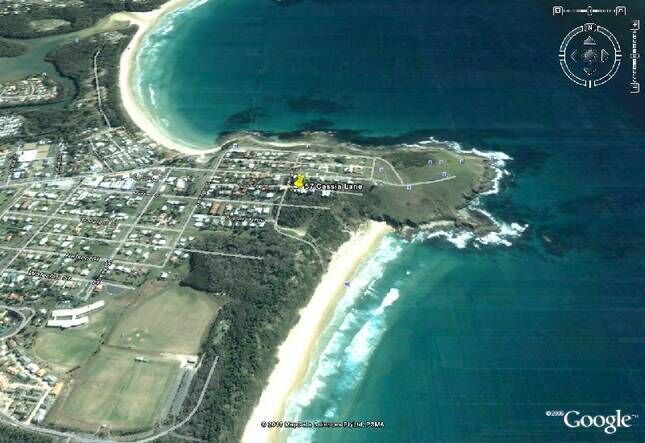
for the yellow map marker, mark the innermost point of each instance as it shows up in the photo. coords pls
(299, 181)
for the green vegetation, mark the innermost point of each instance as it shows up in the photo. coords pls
(265, 296)
(75, 61)
(115, 390)
(158, 322)
(10, 48)
(77, 17)
(10, 434)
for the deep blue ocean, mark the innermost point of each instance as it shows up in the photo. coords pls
(445, 343)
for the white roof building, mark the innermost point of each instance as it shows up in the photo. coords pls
(28, 156)
(76, 321)
(69, 318)
(75, 312)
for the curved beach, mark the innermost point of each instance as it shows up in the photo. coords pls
(292, 366)
(145, 22)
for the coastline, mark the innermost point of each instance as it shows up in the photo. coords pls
(145, 21)
(292, 367)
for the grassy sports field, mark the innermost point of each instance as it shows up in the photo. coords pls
(61, 350)
(115, 390)
(172, 320)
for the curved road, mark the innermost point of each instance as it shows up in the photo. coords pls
(24, 322)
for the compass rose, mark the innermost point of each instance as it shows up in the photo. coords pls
(590, 55)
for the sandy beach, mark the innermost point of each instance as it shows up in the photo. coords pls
(292, 366)
(146, 21)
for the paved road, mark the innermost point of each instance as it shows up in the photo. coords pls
(24, 322)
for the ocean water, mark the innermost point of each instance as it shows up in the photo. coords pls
(449, 338)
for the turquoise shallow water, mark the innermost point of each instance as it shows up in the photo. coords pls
(445, 343)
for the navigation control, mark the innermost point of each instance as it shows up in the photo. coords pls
(590, 55)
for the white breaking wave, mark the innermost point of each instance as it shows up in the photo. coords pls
(389, 299)
(359, 350)
(365, 341)
(357, 326)
(195, 5)
(153, 96)
(503, 233)
(460, 239)
(343, 365)
(163, 31)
